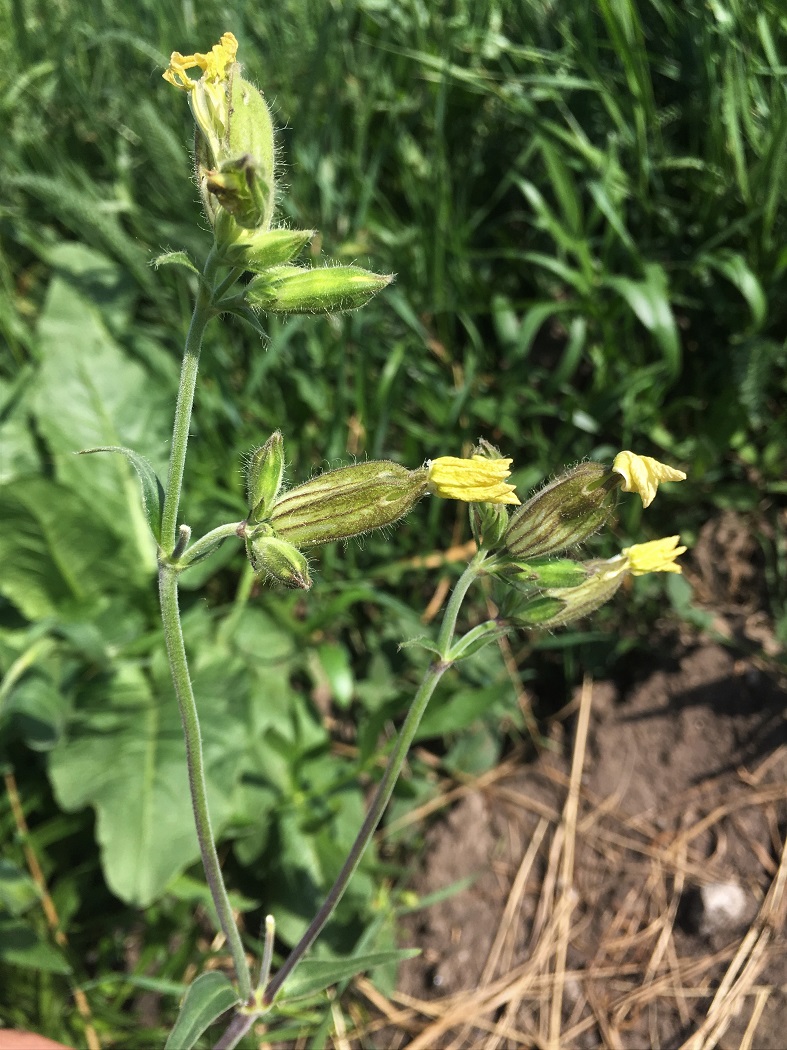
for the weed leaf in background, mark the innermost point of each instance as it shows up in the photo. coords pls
(124, 755)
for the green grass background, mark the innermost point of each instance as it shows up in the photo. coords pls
(584, 208)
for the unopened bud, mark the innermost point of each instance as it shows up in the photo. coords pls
(258, 249)
(235, 148)
(563, 513)
(488, 522)
(325, 289)
(555, 607)
(275, 558)
(242, 189)
(546, 572)
(263, 477)
(347, 502)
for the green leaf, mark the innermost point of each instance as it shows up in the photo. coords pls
(334, 663)
(124, 755)
(313, 975)
(57, 559)
(20, 945)
(207, 998)
(18, 892)
(459, 711)
(734, 267)
(176, 259)
(250, 317)
(649, 300)
(152, 489)
(38, 708)
(103, 398)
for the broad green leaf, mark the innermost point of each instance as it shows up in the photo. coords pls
(313, 975)
(57, 559)
(124, 755)
(38, 709)
(206, 999)
(19, 455)
(152, 489)
(103, 398)
(18, 892)
(460, 710)
(20, 945)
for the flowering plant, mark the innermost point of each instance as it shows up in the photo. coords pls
(526, 547)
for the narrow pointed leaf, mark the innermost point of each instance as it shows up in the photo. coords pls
(206, 999)
(152, 489)
(176, 259)
(313, 975)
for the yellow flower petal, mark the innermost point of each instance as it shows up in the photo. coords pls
(655, 556)
(214, 65)
(642, 474)
(474, 480)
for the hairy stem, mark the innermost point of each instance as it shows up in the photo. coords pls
(173, 632)
(203, 311)
(176, 651)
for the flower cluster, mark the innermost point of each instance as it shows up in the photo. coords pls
(345, 503)
(235, 161)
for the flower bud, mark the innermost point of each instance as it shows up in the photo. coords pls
(235, 149)
(347, 502)
(488, 523)
(274, 557)
(563, 513)
(263, 477)
(258, 249)
(546, 572)
(555, 607)
(325, 289)
(241, 188)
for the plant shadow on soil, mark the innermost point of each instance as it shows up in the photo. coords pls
(652, 913)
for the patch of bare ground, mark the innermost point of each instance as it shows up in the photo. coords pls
(629, 888)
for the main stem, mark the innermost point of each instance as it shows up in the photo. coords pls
(189, 368)
(176, 651)
(173, 632)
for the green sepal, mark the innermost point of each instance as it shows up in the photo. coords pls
(488, 523)
(538, 611)
(277, 559)
(324, 289)
(242, 191)
(152, 489)
(347, 502)
(250, 133)
(563, 513)
(264, 475)
(545, 572)
(257, 250)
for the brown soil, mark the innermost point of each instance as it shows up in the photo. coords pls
(588, 920)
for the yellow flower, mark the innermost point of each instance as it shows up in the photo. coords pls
(655, 556)
(208, 96)
(214, 65)
(474, 480)
(642, 475)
